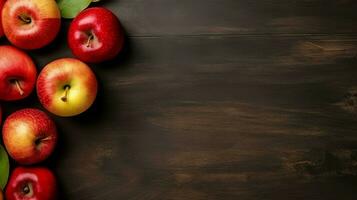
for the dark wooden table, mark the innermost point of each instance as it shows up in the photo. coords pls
(217, 99)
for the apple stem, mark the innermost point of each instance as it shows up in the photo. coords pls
(18, 86)
(26, 189)
(90, 38)
(46, 139)
(25, 19)
(66, 90)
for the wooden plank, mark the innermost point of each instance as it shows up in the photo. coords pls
(196, 17)
(215, 118)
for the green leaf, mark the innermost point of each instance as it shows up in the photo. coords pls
(71, 8)
(4, 167)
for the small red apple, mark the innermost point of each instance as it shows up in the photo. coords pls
(31, 24)
(95, 35)
(34, 183)
(1, 6)
(29, 136)
(66, 87)
(17, 74)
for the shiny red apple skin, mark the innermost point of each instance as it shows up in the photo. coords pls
(1, 6)
(108, 35)
(16, 65)
(29, 136)
(31, 183)
(43, 25)
(52, 82)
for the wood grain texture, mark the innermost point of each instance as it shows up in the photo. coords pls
(217, 99)
(195, 17)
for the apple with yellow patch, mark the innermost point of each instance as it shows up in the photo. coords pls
(67, 87)
(29, 136)
(31, 24)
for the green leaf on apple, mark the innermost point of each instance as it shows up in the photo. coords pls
(71, 8)
(4, 167)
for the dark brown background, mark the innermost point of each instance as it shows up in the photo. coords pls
(217, 99)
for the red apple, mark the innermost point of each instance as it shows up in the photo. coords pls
(31, 24)
(17, 74)
(34, 183)
(29, 136)
(95, 35)
(1, 6)
(66, 87)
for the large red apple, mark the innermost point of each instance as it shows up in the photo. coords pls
(17, 74)
(66, 87)
(34, 183)
(1, 6)
(29, 136)
(31, 24)
(95, 35)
